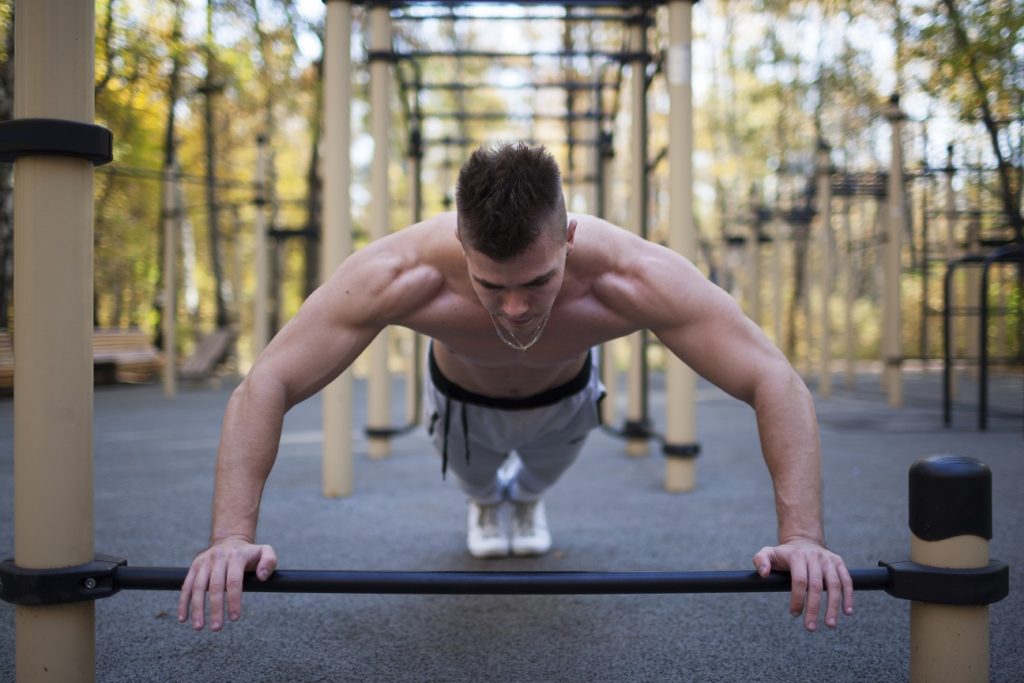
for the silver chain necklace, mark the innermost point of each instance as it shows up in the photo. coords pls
(511, 340)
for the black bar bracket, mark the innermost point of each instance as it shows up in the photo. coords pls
(55, 137)
(90, 581)
(685, 451)
(981, 586)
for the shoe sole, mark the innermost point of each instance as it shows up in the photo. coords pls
(489, 554)
(530, 551)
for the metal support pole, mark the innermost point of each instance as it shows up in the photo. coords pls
(892, 345)
(824, 265)
(53, 294)
(261, 257)
(681, 423)
(169, 319)
(636, 414)
(379, 386)
(951, 253)
(337, 232)
(949, 642)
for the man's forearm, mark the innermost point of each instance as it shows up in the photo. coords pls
(248, 447)
(789, 440)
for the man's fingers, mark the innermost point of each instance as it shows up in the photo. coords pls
(814, 586)
(267, 563)
(217, 580)
(835, 594)
(847, 582)
(798, 594)
(199, 585)
(235, 576)
(186, 594)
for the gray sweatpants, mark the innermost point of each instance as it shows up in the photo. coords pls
(476, 434)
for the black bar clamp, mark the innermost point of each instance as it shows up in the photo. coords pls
(90, 581)
(55, 137)
(981, 586)
(686, 451)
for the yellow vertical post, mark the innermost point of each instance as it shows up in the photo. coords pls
(379, 387)
(170, 293)
(681, 446)
(610, 374)
(846, 275)
(949, 642)
(336, 240)
(824, 266)
(413, 364)
(892, 345)
(53, 285)
(637, 446)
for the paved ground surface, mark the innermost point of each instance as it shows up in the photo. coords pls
(154, 461)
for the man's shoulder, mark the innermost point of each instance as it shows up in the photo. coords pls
(607, 247)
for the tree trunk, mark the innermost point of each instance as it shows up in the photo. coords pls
(170, 156)
(1007, 193)
(210, 88)
(314, 191)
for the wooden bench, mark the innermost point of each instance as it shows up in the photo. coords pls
(123, 356)
(6, 361)
(117, 356)
(212, 350)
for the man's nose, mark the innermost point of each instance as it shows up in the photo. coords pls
(515, 304)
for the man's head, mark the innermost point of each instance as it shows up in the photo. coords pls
(513, 227)
(507, 197)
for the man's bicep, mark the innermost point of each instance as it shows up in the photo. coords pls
(710, 333)
(323, 339)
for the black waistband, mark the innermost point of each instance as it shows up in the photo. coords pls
(544, 398)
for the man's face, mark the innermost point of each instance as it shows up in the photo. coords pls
(519, 293)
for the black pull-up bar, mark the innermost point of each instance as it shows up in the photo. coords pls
(107, 575)
(494, 583)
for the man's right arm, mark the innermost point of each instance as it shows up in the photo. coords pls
(331, 329)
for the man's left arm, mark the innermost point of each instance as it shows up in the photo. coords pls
(789, 441)
(704, 327)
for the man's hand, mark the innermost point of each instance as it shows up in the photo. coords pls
(813, 568)
(220, 569)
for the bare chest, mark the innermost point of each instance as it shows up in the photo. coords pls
(471, 353)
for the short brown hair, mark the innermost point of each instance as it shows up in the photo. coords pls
(506, 197)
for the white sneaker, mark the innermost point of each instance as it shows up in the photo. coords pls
(488, 532)
(530, 535)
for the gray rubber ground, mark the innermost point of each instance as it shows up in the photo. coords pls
(154, 462)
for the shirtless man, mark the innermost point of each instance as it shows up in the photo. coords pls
(514, 293)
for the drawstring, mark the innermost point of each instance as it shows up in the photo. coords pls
(465, 432)
(447, 421)
(447, 427)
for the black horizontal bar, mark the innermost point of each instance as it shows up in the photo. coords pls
(572, 86)
(566, 18)
(526, 3)
(514, 116)
(499, 54)
(493, 583)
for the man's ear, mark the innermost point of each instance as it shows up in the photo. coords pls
(570, 236)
